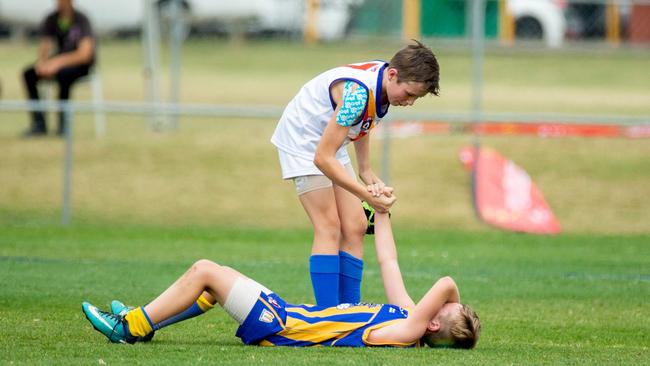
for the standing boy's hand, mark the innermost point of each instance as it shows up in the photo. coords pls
(374, 185)
(382, 203)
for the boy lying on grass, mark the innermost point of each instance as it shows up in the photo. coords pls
(438, 319)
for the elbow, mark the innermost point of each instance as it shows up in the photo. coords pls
(447, 281)
(319, 161)
(87, 56)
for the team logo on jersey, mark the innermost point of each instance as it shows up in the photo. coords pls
(273, 302)
(266, 316)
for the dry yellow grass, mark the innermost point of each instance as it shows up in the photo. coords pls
(225, 172)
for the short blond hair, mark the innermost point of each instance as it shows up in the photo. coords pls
(463, 331)
(465, 328)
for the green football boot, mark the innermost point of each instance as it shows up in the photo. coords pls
(118, 308)
(114, 327)
(370, 215)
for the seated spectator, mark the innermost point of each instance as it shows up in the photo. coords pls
(73, 58)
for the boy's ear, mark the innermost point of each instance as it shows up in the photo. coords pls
(392, 73)
(433, 326)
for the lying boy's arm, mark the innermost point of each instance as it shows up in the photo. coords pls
(442, 292)
(413, 328)
(387, 258)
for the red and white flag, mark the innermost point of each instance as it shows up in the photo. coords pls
(504, 195)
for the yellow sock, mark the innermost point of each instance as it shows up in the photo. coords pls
(204, 304)
(139, 323)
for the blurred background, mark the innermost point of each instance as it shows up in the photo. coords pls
(173, 127)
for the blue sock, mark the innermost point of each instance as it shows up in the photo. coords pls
(324, 271)
(191, 312)
(351, 272)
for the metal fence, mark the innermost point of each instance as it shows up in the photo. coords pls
(474, 25)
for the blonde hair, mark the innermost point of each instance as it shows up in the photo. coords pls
(463, 330)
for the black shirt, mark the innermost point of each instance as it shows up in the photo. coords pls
(67, 40)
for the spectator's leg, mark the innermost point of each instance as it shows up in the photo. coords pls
(66, 78)
(38, 126)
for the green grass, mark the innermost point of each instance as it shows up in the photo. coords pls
(569, 299)
(224, 171)
(146, 205)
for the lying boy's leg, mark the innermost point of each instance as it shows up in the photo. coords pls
(199, 307)
(139, 322)
(204, 303)
(205, 275)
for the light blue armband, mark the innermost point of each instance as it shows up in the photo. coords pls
(353, 104)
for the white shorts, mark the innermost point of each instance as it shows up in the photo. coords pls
(242, 298)
(298, 166)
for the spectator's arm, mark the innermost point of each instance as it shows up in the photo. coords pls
(44, 50)
(82, 55)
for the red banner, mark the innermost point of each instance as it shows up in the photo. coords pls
(505, 196)
(541, 129)
(546, 129)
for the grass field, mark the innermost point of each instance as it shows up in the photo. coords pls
(572, 299)
(147, 204)
(136, 175)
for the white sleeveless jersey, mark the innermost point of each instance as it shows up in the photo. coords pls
(304, 119)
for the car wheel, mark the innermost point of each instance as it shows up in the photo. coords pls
(528, 28)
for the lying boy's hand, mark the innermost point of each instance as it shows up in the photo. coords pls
(382, 203)
(388, 191)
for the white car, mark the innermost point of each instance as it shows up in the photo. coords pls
(539, 19)
(105, 16)
(273, 16)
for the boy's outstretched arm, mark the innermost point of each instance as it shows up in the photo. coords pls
(387, 258)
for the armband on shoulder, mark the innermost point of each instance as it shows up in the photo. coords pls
(353, 104)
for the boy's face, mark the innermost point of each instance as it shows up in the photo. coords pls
(403, 93)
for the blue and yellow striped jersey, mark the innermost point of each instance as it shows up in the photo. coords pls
(272, 322)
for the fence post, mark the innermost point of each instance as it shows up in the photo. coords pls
(175, 45)
(613, 23)
(506, 24)
(385, 152)
(66, 211)
(310, 31)
(411, 27)
(478, 45)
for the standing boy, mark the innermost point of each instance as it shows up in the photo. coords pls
(336, 107)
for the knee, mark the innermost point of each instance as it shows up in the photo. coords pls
(354, 228)
(203, 267)
(330, 228)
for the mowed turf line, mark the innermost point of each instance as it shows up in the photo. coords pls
(570, 299)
